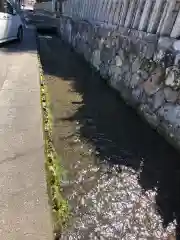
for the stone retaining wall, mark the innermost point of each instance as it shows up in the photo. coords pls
(141, 66)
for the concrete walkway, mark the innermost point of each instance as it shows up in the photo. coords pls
(24, 210)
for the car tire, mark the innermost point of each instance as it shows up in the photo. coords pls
(20, 34)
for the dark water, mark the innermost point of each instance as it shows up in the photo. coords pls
(122, 179)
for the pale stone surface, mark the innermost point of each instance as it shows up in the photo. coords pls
(170, 94)
(153, 84)
(96, 59)
(176, 45)
(118, 61)
(135, 80)
(159, 55)
(170, 113)
(158, 99)
(173, 77)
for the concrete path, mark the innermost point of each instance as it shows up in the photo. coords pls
(24, 210)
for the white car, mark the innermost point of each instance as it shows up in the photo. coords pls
(27, 7)
(11, 26)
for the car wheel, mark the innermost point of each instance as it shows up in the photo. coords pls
(20, 34)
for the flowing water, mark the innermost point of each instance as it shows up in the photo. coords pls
(122, 179)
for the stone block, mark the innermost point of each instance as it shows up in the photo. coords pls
(115, 71)
(170, 94)
(103, 32)
(148, 66)
(87, 53)
(173, 77)
(135, 80)
(127, 78)
(148, 50)
(158, 99)
(171, 113)
(126, 44)
(126, 67)
(139, 95)
(107, 54)
(151, 38)
(136, 65)
(141, 48)
(142, 35)
(108, 42)
(154, 83)
(118, 61)
(168, 59)
(96, 61)
(149, 115)
(165, 43)
(176, 45)
(116, 43)
(134, 34)
(97, 43)
(124, 31)
(104, 70)
(136, 47)
(121, 54)
(143, 74)
(177, 60)
(117, 83)
(159, 55)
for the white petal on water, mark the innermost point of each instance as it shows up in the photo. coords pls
(120, 207)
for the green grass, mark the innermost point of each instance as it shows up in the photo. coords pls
(54, 172)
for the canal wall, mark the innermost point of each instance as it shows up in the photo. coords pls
(141, 62)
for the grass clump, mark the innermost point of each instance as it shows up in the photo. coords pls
(54, 172)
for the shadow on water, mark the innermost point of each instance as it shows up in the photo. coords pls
(119, 135)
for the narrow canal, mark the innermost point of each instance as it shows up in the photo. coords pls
(123, 179)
